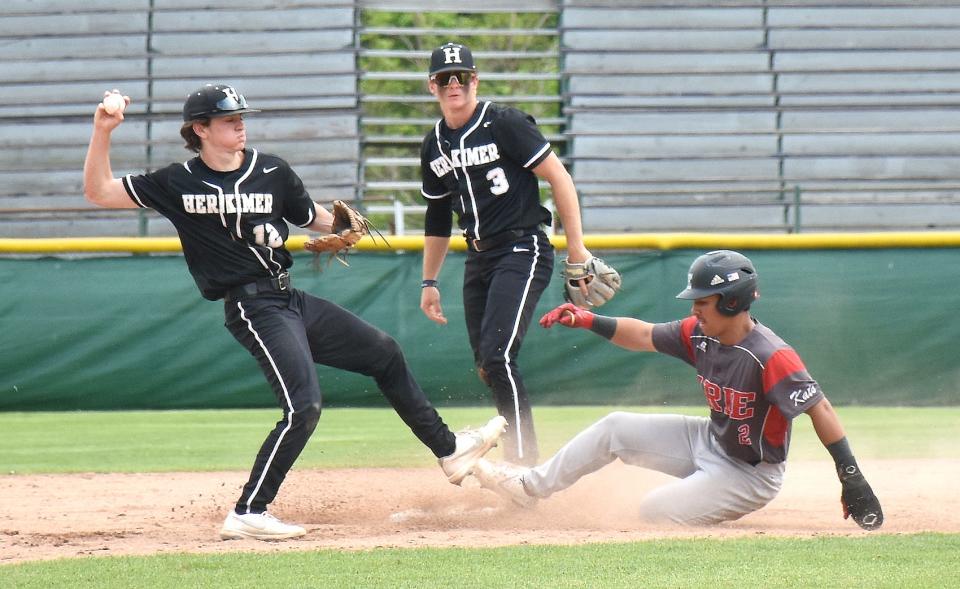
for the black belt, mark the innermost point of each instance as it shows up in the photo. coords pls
(502, 238)
(279, 284)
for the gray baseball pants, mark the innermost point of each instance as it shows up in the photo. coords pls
(711, 487)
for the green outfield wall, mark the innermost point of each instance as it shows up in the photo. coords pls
(874, 326)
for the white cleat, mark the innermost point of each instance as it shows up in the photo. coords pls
(472, 444)
(505, 480)
(260, 526)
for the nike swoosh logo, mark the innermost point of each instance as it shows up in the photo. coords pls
(517, 248)
(268, 170)
(487, 124)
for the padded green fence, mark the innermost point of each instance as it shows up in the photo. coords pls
(874, 327)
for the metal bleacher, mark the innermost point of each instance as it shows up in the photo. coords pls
(295, 60)
(672, 115)
(780, 115)
(516, 47)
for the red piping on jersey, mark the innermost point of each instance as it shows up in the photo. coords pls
(686, 332)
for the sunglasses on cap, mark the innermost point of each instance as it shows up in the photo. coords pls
(230, 103)
(443, 78)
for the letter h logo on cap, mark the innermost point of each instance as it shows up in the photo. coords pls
(451, 57)
(452, 53)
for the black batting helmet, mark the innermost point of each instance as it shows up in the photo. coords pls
(726, 273)
(214, 100)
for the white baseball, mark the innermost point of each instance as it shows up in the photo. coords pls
(113, 102)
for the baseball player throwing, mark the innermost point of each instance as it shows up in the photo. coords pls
(482, 160)
(230, 205)
(727, 465)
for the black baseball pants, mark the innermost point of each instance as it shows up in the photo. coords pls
(288, 332)
(501, 288)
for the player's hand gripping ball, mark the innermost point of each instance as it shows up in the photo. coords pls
(113, 103)
(589, 284)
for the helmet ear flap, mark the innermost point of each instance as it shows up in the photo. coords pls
(729, 306)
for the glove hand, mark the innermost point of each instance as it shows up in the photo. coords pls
(568, 315)
(858, 500)
(348, 223)
(331, 243)
(348, 227)
(590, 284)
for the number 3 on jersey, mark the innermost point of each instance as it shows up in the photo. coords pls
(498, 181)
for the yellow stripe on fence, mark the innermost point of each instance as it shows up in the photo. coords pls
(624, 241)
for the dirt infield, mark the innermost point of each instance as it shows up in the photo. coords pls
(65, 516)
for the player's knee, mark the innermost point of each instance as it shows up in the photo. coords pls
(388, 348)
(491, 365)
(309, 416)
(617, 418)
(482, 375)
(612, 423)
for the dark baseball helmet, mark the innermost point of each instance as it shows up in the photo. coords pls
(726, 273)
(214, 100)
(451, 57)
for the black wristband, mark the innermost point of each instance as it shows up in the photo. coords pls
(604, 326)
(427, 283)
(847, 468)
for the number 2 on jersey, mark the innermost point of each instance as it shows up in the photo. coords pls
(498, 181)
(744, 438)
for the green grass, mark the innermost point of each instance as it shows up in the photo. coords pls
(157, 441)
(213, 440)
(901, 562)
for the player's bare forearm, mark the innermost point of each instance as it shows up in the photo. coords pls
(434, 253)
(626, 332)
(568, 207)
(634, 334)
(323, 222)
(826, 422)
(99, 185)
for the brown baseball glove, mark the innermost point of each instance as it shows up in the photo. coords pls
(349, 226)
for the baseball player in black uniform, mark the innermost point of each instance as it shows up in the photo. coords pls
(483, 160)
(730, 463)
(230, 205)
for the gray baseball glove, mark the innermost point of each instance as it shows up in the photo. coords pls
(590, 284)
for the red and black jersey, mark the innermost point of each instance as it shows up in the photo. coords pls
(482, 171)
(754, 388)
(231, 224)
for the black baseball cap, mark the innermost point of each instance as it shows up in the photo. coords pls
(451, 57)
(214, 100)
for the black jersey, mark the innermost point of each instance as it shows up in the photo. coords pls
(483, 172)
(231, 224)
